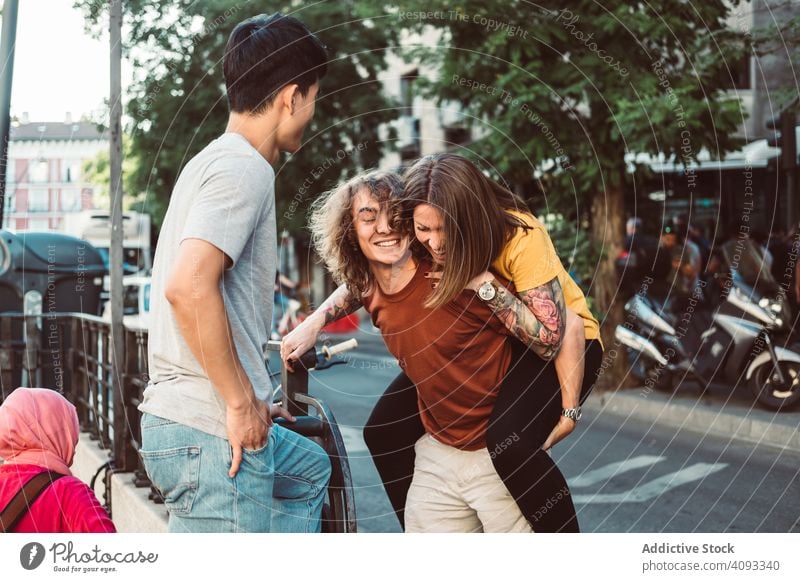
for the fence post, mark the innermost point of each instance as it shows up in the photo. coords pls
(31, 358)
(6, 357)
(79, 385)
(125, 457)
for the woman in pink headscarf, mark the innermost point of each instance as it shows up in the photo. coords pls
(38, 433)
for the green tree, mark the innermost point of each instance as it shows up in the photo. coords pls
(560, 92)
(176, 103)
(96, 171)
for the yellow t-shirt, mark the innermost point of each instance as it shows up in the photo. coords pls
(529, 260)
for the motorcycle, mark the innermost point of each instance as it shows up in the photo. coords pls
(733, 339)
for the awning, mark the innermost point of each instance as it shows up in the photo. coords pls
(756, 154)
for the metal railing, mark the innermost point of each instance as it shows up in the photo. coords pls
(72, 353)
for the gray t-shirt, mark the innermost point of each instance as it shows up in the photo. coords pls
(225, 195)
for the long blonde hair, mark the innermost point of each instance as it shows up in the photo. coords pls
(333, 233)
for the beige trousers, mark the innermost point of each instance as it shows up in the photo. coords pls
(459, 491)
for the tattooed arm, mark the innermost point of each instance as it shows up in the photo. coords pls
(540, 319)
(339, 304)
(537, 317)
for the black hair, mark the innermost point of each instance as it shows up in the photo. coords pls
(266, 53)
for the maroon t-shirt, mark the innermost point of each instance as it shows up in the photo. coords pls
(456, 355)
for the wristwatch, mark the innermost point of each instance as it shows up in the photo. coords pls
(573, 413)
(487, 291)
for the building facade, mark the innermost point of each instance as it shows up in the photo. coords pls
(44, 180)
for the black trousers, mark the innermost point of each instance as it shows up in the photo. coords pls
(526, 411)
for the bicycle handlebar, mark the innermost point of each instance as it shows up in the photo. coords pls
(329, 351)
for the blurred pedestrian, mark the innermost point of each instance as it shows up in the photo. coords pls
(778, 246)
(685, 260)
(694, 234)
(38, 435)
(636, 261)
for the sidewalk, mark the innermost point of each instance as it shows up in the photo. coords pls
(721, 410)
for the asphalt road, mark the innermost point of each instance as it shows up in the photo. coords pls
(626, 475)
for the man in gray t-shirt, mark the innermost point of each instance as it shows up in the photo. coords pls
(208, 441)
(225, 196)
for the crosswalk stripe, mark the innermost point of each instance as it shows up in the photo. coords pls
(611, 470)
(654, 488)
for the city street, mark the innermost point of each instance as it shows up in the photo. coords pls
(626, 475)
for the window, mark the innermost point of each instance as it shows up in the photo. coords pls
(39, 171)
(70, 171)
(10, 203)
(409, 124)
(407, 92)
(409, 137)
(456, 136)
(741, 73)
(70, 199)
(38, 200)
(130, 300)
(147, 298)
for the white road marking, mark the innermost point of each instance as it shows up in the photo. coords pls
(611, 470)
(654, 488)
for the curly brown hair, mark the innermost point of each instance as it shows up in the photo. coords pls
(333, 233)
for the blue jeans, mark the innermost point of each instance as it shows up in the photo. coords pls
(279, 488)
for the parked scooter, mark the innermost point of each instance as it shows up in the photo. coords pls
(733, 339)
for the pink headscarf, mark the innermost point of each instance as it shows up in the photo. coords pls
(38, 427)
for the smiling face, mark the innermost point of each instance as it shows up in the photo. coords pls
(380, 244)
(429, 230)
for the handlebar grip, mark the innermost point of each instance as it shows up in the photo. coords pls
(330, 351)
(308, 426)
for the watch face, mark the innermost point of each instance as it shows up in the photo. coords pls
(487, 291)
